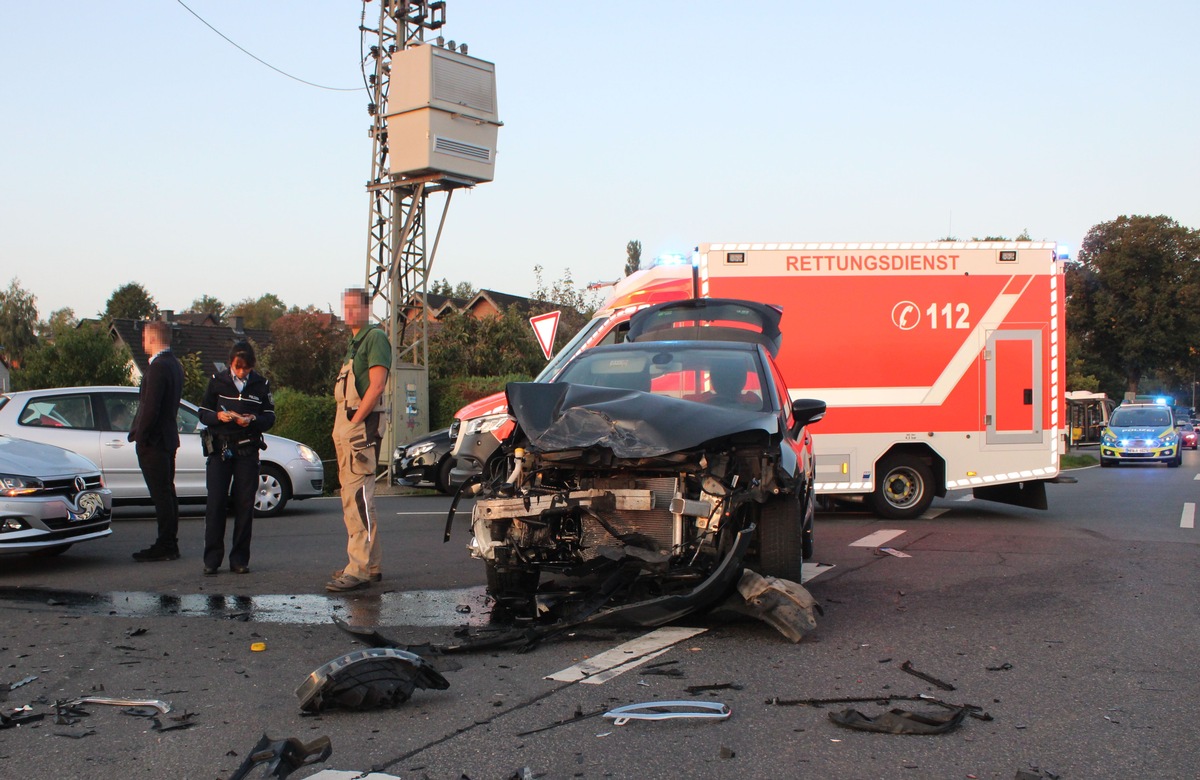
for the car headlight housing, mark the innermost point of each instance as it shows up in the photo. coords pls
(309, 454)
(12, 485)
(1107, 437)
(486, 423)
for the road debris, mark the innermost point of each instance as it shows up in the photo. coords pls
(368, 679)
(908, 667)
(664, 710)
(284, 756)
(898, 721)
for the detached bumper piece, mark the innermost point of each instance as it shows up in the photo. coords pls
(283, 756)
(368, 679)
(666, 710)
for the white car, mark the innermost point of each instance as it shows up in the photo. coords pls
(94, 422)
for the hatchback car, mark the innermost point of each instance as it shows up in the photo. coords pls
(648, 472)
(1140, 433)
(424, 461)
(1187, 435)
(50, 498)
(94, 422)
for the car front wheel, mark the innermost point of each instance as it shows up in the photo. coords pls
(274, 491)
(781, 538)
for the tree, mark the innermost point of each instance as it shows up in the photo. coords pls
(307, 348)
(258, 313)
(207, 304)
(18, 319)
(464, 290)
(74, 355)
(1131, 297)
(633, 257)
(58, 320)
(195, 378)
(130, 302)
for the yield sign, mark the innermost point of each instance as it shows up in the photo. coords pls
(544, 327)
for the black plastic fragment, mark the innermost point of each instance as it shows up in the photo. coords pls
(368, 679)
(897, 721)
(284, 756)
(929, 678)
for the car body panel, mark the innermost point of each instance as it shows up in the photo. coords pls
(420, 461)
(68, 504)
(94, 422)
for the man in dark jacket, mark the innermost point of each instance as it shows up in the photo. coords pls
(155, 432)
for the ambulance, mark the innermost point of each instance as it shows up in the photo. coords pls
(941, 363)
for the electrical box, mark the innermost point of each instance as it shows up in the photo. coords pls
(441, 114)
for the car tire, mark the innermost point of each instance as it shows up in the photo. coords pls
(1177, 461)
(510, 582)
(443, 475)
(810, 510)
(50, 552)
(903, 488)
(274, 491)
(781, 538)
(1107, 463)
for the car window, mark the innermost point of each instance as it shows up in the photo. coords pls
(186, 420)
(120, 410)
(715, 377)
(58, 411)
(1142, 418)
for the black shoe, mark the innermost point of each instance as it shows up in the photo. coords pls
(156, 552)
(239, 569)
(210, 570)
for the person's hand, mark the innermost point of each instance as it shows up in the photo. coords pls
(225, 416)
(244, 419)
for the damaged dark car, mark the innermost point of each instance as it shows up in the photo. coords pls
(649, 475)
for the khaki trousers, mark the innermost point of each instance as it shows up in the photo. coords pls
(357, 453)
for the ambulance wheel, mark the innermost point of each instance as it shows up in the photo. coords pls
(903, 488)
(781, 538)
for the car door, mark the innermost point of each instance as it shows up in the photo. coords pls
(118, 458)
(190, 460)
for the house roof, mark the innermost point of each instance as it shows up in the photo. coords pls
(212, 342)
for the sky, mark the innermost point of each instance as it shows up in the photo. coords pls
(140, 146)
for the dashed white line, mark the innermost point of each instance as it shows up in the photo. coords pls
(1188, 519)
(877, 539)
(626, 656)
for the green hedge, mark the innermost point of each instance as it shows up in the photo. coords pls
(447, 396)
(309, 418)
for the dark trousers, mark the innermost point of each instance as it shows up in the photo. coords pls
(242, 471)
(158, 469)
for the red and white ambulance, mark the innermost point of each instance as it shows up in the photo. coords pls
(941, 363)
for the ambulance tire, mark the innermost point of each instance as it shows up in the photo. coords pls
(903, 488)
(781, 539)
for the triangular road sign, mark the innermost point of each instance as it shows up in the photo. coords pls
(544, 328)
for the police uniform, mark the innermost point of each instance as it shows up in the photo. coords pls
(233, 457)
(357, 446)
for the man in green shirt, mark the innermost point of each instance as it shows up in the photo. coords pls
(357, 432)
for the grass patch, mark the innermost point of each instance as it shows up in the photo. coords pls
(1076, 461)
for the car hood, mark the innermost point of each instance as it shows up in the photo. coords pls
(29, 458)
(630, 423)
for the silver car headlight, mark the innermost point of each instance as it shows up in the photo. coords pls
(12, 485)
(309, 454)
(486, 423)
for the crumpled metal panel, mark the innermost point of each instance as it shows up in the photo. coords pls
(629, 423)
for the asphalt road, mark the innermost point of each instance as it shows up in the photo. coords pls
(1073, 629)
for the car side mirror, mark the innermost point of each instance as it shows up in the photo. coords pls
(806, 411)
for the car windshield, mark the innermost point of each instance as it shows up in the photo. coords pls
(719, 377)
(1134, 417)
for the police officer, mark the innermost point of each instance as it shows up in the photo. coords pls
(237, 409)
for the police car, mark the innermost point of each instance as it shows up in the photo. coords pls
(1141, 433)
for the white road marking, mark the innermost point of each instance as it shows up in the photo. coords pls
(1196, 477)
(627, 655)
(877, 539)
(1188, 519)
(967, 497)
(810, 570)
(934, 514)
